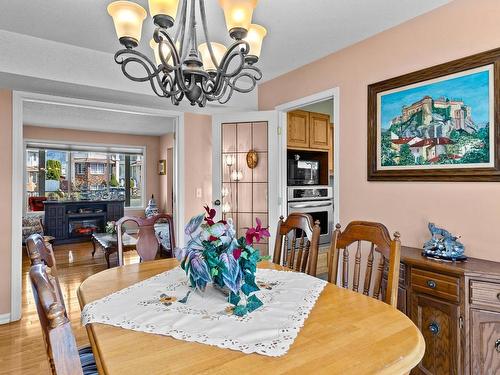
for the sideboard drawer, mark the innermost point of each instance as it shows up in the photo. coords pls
(485, 293)
(436, 284)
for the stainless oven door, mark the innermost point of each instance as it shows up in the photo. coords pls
(319, 210)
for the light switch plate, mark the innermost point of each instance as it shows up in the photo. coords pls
(198, 193)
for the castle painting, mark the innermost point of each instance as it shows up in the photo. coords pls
(441, 123)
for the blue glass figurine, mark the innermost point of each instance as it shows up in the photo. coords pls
(443, 245)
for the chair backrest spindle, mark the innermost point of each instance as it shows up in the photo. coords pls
(303, 252)
(389, 250)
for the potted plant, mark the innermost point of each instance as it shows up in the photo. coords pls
(214, 255)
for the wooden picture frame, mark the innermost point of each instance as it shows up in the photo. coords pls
(162, 167)
(450, 128)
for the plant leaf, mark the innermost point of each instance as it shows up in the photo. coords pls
(193, 224)
(240, 310)
(234, 299)
(247, 288)
(253, 303)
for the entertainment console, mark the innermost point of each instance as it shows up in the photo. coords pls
(75, 221)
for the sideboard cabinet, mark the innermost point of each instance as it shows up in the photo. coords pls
(456, 306)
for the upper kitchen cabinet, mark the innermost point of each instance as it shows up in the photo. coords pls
(308, 130)
(319, 130)
(298, 129)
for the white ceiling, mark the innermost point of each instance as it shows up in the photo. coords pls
(94, 119)
(299, 31)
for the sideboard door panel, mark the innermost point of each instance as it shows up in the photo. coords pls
(485, 342)
(438, 322)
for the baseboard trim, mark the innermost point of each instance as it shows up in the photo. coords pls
(4, 318)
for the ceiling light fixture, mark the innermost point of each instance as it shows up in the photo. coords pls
(182, 68)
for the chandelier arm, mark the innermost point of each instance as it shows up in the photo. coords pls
(205, 31)
(222, 74)
(153, 72)
(181, 23)
(230, 55)
(223, 100)
(216, 96)
(177, 67)
(234, 82)
(171, 47)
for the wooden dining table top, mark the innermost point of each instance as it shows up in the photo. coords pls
(345, 333)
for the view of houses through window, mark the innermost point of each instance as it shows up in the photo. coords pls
(79, 175)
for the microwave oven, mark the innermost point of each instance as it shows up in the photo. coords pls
(303, 172)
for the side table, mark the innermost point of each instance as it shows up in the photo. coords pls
(109, 243)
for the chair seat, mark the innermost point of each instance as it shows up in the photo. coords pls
(87, 360)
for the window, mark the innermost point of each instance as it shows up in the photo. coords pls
(79, 168)
(84, 174)
(97, 168)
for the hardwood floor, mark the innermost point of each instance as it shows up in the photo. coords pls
(22, 348)
(21, 343)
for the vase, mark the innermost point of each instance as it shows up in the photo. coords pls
(152, 208)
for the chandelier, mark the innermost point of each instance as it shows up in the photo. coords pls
(181, 67)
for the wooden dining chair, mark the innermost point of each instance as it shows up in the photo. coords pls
(380, 241)
(147, 242)
(41, 252)
(37, 247)
(298, 236)
(60, 343)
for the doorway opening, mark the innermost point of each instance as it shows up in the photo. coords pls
(94, 154)
(309, 161)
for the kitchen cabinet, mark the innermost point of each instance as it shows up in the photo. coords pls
(319, 130)
(308, 131)
(298, 129)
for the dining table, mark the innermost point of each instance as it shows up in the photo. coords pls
(345, 333)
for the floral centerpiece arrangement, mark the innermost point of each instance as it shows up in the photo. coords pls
(214, 254)
(111, 227)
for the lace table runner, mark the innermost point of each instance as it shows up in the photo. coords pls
(159, 305)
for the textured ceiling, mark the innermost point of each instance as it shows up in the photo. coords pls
(299, 31)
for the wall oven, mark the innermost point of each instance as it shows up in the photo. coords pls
(316, 201)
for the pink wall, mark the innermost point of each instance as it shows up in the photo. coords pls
(165, 198)
(198, 163)
(5, 201)
(151, 143)
(456, 30)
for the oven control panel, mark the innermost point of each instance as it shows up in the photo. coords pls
(301, 193)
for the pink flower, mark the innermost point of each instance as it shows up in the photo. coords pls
(237, 253)
(256, 233)
(210, 215)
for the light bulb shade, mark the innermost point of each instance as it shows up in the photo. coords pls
(238, 14)
(165, 7)
(127, 17)
(219, 51)
(163, 11)
(165, 49)
(255, 36)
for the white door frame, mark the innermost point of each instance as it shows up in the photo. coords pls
(275, 201)
(282, 109)
(18, 98)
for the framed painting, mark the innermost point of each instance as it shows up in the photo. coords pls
(162, 167)
(437, 124)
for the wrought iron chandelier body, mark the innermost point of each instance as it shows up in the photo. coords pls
(179, 70)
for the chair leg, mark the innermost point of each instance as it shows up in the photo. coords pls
(106, 255)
